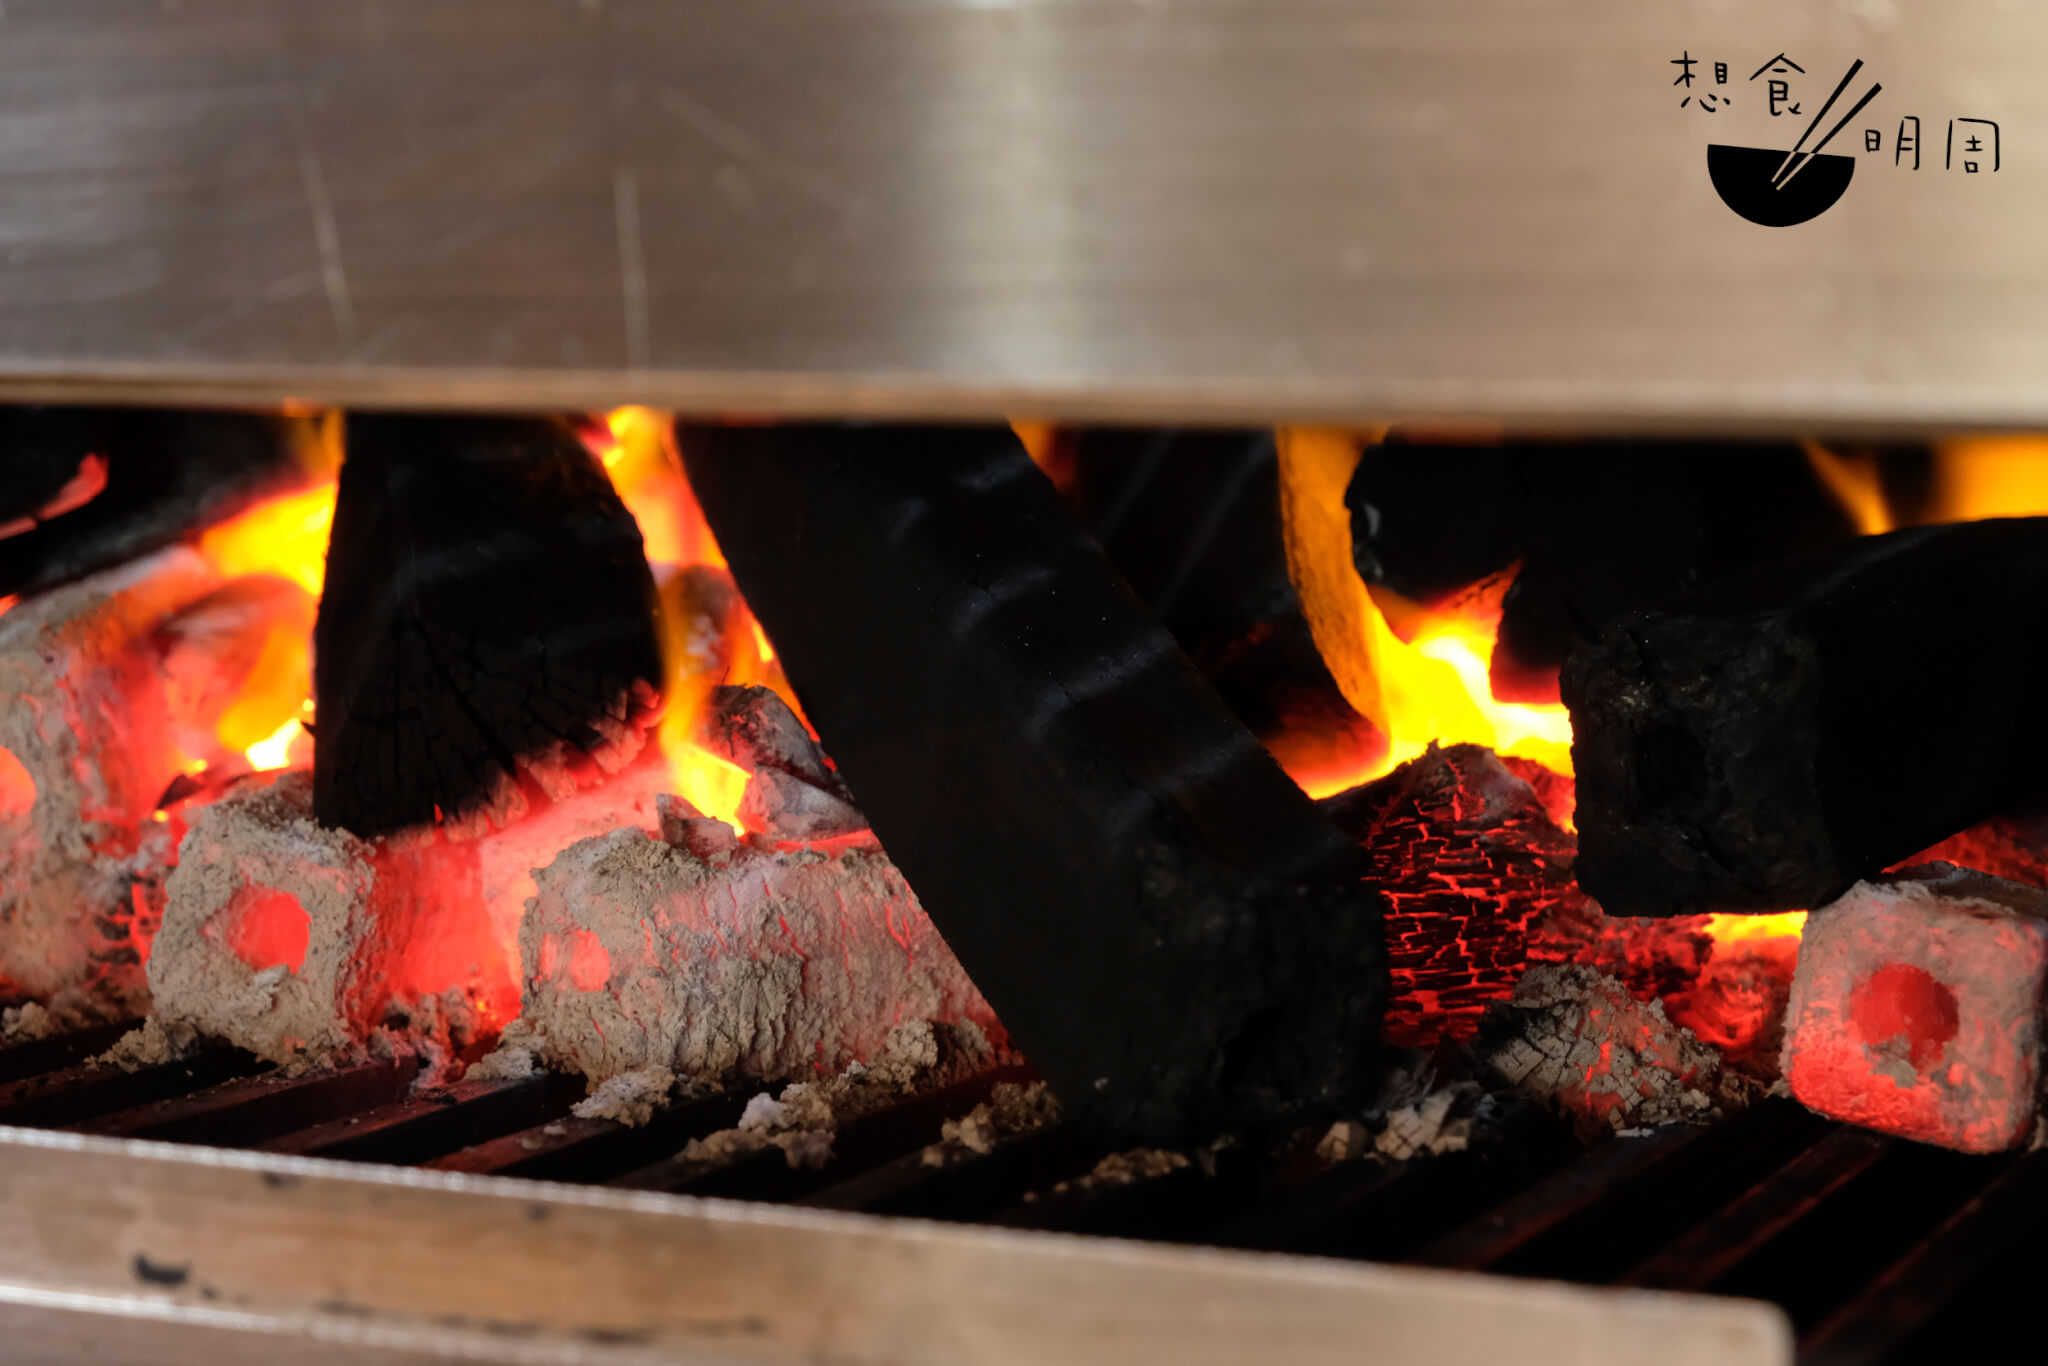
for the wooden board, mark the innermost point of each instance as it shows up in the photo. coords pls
(177, 1255)
(1243, 210)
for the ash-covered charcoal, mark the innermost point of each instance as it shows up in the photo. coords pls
(1579, 1041)
(717, 958)
(804, 1118)
(792, 791)
(300, 943)
(1467, 857)
(88, 743)
(1726, 978)
(1012, 1110)
(1917, 1008)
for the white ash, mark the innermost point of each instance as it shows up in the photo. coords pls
(630, 1098)
(27, 1023)
(1578, 1040)
(805, 1117)
(1346, 1140)
(728, 962)
(1011, 1111)
(516, 1057)
(1427, 1127)
(89, 746)
(1413, 1116)
(1123, 1169)
(150, 1043)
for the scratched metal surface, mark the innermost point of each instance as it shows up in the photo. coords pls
(1229, 209)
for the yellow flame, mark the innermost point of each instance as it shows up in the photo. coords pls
(1433, 686)
(1857, 485)
(1734, 929)
(1989, 476)
(274, 750)
(272, 696)
(648, 474)
(286, 536)
(638, 450)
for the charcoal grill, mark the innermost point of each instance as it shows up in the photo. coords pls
(1177, 210)
(162, 1196)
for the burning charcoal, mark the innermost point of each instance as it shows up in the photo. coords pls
(638, 953)
(298, 942)
(1767, 742)
(1724, 977)
(1581, 1042)
(1916, 1009)
(1180, 941)
(87, 746)
(793, 792)
(235, 664)
(160, 475)
(1467, 858)
(2013, 846)
(488, 617)
(1599, 528)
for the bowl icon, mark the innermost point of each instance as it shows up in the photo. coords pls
(1743, 177)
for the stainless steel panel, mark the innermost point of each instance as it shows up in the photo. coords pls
(1222, 209)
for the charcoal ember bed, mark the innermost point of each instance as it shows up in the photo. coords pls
(573, 893)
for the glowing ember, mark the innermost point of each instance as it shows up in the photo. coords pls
(1729, 931)
(88, 483)
(1916, 1010)
(1418, 673)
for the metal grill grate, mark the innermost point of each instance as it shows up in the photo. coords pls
(1877, 1249)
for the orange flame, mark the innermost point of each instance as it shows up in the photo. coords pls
(1989, 476)
(1856, 484)
(286, 537)
(1973, 478)
(1426, 684)
(638, 450)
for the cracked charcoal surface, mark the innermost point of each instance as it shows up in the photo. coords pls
(1578, 1040)
(1467, 858)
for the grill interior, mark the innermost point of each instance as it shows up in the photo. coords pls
(1877, 1249)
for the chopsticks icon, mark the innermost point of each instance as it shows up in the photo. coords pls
(1797, 160)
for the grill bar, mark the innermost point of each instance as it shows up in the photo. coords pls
(1869, 1244)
